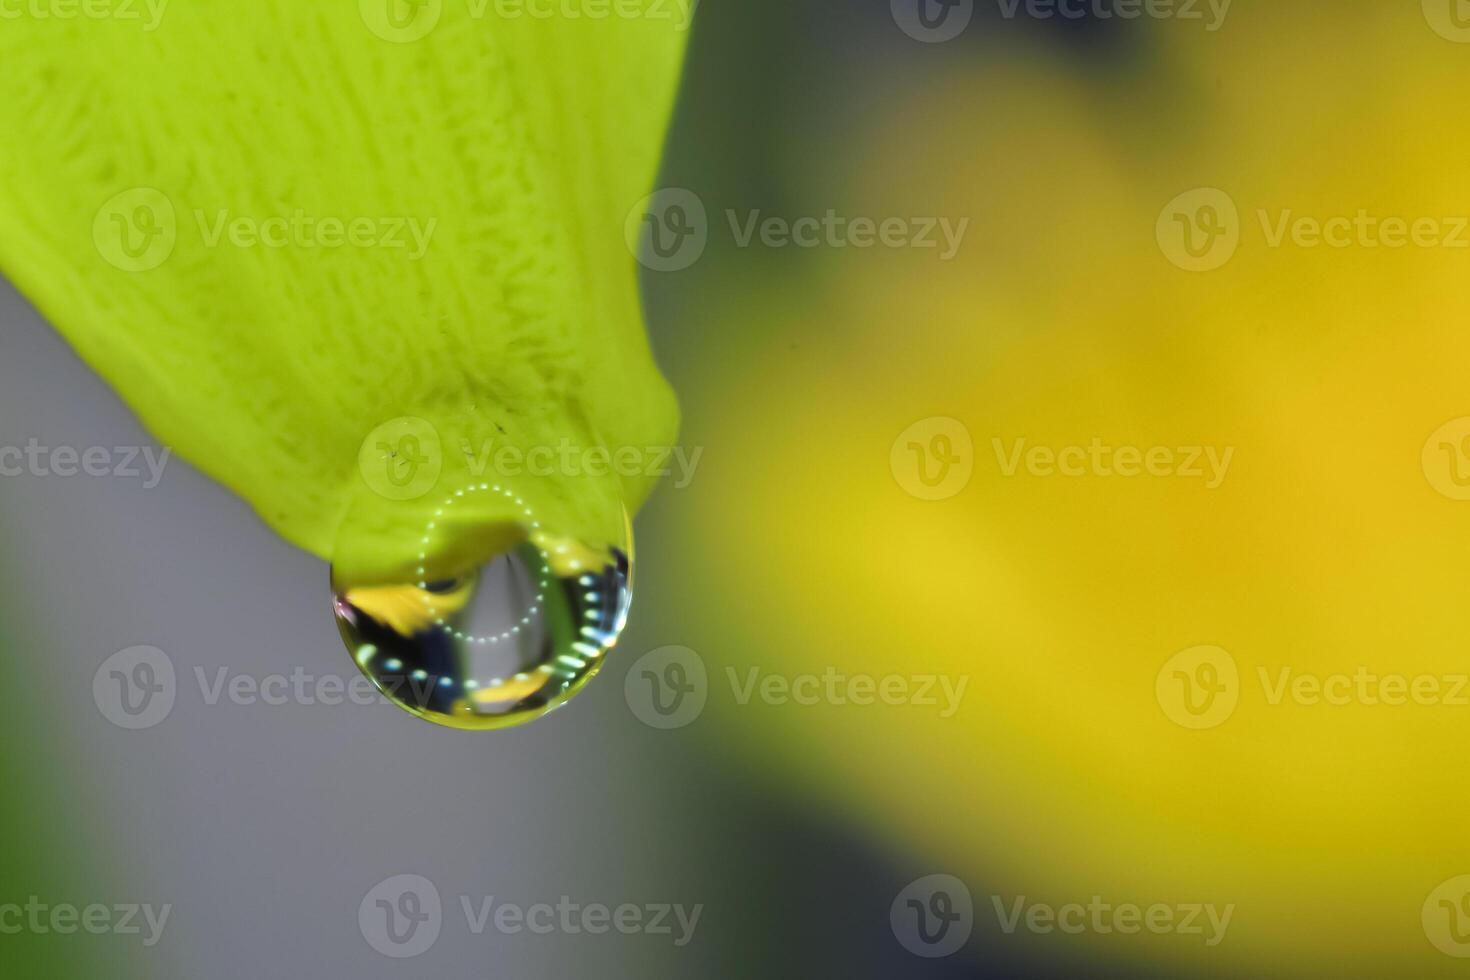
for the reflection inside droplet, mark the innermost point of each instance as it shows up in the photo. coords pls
(498, 645)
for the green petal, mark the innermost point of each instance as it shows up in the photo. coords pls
(513, 144)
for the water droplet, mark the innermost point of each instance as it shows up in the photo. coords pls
(492, 645)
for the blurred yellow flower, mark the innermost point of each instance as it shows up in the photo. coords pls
(1222, 661)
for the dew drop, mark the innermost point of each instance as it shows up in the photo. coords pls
(496, 646)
